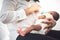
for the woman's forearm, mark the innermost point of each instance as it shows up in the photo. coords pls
(26, 31)
(29, 29)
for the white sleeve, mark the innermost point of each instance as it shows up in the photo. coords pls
(4, 32)
(19, 15)
(9, 12)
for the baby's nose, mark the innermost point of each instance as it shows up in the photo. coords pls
(42, 17)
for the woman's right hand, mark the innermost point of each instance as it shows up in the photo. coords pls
(33, 8)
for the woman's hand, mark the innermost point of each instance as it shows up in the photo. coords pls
(50, 25)
(33, 8)
(20, 32)
(28, 30)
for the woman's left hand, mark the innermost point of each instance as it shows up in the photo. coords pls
(50, 25)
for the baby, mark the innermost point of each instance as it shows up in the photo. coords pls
(47, 16)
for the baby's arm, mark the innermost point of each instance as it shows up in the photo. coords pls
(28, 30)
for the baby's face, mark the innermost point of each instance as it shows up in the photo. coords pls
(47, 16)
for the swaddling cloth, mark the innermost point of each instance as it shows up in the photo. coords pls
(39, 22)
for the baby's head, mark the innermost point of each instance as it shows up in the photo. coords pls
(49, 15)
(54, 14)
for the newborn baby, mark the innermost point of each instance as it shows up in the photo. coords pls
(42, 18)
(48, 16)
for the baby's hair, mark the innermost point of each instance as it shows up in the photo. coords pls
(55, 15)
(27, 0)
(36, 0)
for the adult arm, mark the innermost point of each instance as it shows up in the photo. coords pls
(10, 13)
(28, 30)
